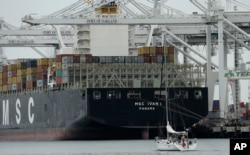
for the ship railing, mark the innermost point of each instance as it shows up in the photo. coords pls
(36, 90)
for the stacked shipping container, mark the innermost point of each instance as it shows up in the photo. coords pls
(28, 74)
(25, 74)
(155, 54)
(68, 68)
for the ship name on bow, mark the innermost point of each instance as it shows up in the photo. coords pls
(147, 105)
(18, 115)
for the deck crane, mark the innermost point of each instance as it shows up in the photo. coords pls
(213, 16)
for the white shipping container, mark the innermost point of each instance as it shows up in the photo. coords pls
(65, 73)
(39, 83)
(76, 64)
(10, 87)
(65, 79)
(31, 78)
(9, 74)
(67, 59)
(82, 59)
(14, 86)
(64, 66)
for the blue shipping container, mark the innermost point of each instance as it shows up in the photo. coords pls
(31, 63)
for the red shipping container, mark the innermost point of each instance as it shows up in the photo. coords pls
(5, 75)
(89, 59)
(76, 58)
(42, 68)
(171, 49)
(153, 59)
(21, 86)
(30, 84)
(5, 81)
(58, 80)
(244, 115)
(146, 59)
(159, 50)
(41, 76)
(5, 68)
(242, 104)
(13, 73)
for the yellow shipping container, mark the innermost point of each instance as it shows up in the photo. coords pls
(113, 10)
(21, 72)
(20, 79)
(165, 50)
(9, 81)
(1, 82)
(58, 65)
(12, 67)
(43, 61)
(152, 50)
(1, 76)
(31, 71)
(140, 50)
(13, 80)
(145, 50)
(108, 10)
(21, 65)
(50, 61)
(171, 58)
(5, 87)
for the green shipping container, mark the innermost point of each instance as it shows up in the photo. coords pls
(58, 73)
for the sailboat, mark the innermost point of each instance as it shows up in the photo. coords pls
(175, 140)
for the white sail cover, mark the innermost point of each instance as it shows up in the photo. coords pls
(172, 131)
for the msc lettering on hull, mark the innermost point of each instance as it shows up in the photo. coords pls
(18, 116)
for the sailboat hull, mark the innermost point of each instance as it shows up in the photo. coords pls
(170, 145)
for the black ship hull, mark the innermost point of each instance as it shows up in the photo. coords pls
(100, 113)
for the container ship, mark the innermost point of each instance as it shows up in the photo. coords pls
(81, 96)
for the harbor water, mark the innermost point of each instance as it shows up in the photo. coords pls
(107, 147)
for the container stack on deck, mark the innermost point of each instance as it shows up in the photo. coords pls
(157, 54)
(29, 74)
(24, 74)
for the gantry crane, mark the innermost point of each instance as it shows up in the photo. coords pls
(214, 24)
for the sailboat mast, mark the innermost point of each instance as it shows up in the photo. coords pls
(166, 96)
